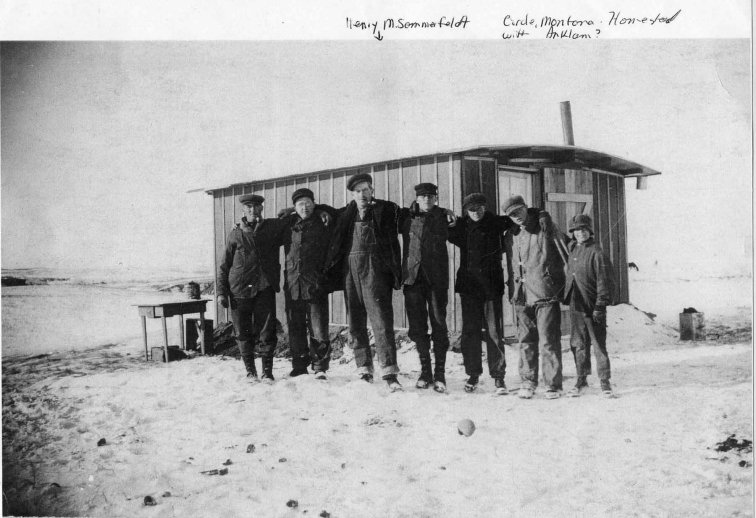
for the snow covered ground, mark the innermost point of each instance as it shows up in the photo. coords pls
(61, 317)
(346, 448)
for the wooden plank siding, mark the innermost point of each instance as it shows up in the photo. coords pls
(454, 312)
(488, 184)
(620, 267)
(610, 227)
(471, 176)
(219, 237)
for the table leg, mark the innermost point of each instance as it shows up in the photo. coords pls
(181, 331)
(165, 340)
(144, 335)
(202, 332)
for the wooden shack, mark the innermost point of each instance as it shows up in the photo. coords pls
(565, 180)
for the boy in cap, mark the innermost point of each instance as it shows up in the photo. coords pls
(425, 276)
(248, 279)
(306, 246)
(364, 260)
(480, 284)
(536, 280)
(589, 290)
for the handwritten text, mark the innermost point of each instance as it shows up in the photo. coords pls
(377, 28)
(577, 27)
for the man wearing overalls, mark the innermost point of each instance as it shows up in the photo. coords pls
(364, 260)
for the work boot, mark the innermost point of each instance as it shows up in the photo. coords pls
(267, 365)
(526, 392)
(366, 377)
(249, 364)
(298, 371)
(426, 375)
(606, 389)
(579, 389)
(501, 387)
(439, 373)
(321, 375)
(393, 383)
(471, 384)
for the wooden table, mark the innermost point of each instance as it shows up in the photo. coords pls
(171, 309)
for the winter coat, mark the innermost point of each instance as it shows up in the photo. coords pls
(534, 266)
(385, 216)
(305, 246)
(480, 243)
(251, 253)
(590, 272)
(424, 236)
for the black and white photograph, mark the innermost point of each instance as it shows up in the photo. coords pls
(406, 261)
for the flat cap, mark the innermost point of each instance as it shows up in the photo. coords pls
(581, 221)
(475, 199)
(512, 204)
(302, 193)
(359, 178)
(426, 189)
(251, 199)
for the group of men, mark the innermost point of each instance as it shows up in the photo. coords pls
(356, 249)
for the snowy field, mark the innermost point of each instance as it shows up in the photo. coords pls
(48, 318)
(346, 448)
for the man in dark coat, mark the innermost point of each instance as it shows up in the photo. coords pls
(536, 281)
(425, 276)
(480, 284)
(306, 246)
(248, 279)
(590, 288)
(364, 260)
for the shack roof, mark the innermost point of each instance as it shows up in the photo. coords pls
(528, 156)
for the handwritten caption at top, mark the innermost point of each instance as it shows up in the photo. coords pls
(521, 26)
(573, 27)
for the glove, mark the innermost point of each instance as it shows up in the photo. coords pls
(223, 300)
(599, 316)
(544, 220)
(324, 216)
(451, 218)
(285, 212)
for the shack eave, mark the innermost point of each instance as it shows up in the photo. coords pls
(534, 156)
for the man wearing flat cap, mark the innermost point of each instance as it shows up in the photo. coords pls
(425, 276)
(306, 246)
(536, 282)
(364, 260)
(480, 284)
(248, 279)
(590, 288)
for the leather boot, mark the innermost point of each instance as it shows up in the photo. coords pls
(267, 365)
(426, 375)
(440, 371)
(249, 364)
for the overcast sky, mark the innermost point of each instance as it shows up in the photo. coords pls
(101, 141)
